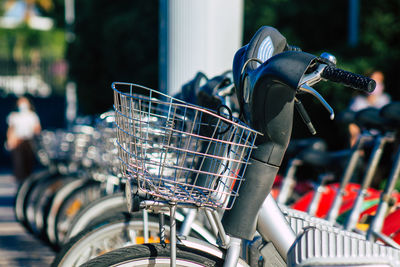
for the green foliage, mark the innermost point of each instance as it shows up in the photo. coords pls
(115, 41)
(318, 26)
(23, 40)
(118, 41)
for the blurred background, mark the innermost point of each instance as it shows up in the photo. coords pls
(64, 54)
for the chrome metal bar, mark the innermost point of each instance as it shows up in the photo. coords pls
(377, 222)
(221, 231)
(145, 226)
(323, 179)
(187, 223)
(173, 234)
(307, 89)
(375, 157)
(314, 77)
(273, 226)
(379, 218)
(211, 221)
(233, 252)
(313, 207)
(288, 182)
(352, 220)
(348, 173)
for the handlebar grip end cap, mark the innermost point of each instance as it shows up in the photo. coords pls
(371, 86)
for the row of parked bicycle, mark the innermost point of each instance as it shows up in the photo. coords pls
(180, 181)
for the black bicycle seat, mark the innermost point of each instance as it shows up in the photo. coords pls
(347, 116)
(370, 118)
(324, 159)
(298, 145)
(391, 112)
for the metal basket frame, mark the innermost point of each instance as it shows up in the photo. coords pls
(179, 152)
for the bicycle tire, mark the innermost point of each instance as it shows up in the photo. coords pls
(43, 202)
(79, 248)
(114, 203)
(77, 200)
(33, 198)
(23, 192)
(154, 255)
(60, 205)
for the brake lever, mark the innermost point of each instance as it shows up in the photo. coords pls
(313, 77)
(324, 60)
(304, 115)
(308, 89)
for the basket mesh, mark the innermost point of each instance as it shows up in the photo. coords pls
(179, 152)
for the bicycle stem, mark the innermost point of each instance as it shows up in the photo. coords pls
(377, 223)
(348, 173)
(320, 188)
(288, 181)
(375, 157)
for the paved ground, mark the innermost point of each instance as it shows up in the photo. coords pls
(17, 247)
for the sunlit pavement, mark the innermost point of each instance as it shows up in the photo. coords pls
(17, 246)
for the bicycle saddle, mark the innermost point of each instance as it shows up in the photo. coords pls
(346, 116)
(370, 118)
(325, 159)
(296, 146)
(391, 112)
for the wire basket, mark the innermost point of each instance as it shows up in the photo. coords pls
(179, 152)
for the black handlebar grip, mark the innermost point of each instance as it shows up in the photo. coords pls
(350, 79)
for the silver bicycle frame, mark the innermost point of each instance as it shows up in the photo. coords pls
(348, 173)
(273, 226)
(375, 157)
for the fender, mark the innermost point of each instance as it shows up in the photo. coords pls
(56, 204)
(92, 212)
(205, 247)
(119, 200)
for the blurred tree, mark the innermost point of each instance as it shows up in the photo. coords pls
(19, 42)
(119, 41)
(318, 26)
(115, 41)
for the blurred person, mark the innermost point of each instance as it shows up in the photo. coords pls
(378, 98)
(23, 125)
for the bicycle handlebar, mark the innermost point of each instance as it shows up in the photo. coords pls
(350, 79)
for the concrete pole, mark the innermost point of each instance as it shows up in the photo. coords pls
(197, 35)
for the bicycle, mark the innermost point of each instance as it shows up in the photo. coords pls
(267, 93)
(107, 218)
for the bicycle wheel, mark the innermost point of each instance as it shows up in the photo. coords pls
(110, 204)
(59, 198)
(33, 198)
(43, 202)
(64, 209)
(154, 255)
(25, 190)
(106, 235)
